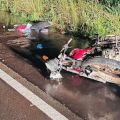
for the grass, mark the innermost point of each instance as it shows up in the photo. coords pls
(7, 19)
(84, 17)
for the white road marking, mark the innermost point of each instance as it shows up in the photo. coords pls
(30, 96)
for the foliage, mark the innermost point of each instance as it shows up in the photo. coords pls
(86, 17)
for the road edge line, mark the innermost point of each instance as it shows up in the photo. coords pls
(30, 96)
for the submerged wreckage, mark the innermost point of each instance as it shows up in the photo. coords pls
(100, 63)
(27, 29)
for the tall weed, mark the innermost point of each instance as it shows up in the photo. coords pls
(85, 17)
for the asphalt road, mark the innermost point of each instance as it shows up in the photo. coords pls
(13, 106)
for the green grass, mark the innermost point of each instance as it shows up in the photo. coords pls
(7, 19)
(85, 17)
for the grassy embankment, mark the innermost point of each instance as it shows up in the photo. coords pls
(85, 17)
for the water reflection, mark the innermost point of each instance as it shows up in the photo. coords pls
(84, 97)
(81, 95)
(52, 39)
(76, 80)
(56, 40)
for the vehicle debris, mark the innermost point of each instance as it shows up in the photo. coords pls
(26, 29)
(85, 62)
(41, 26)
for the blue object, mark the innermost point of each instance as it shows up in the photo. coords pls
(39, 46)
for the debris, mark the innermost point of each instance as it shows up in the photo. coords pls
(20, 28)
(11, 30)
(44, 31)
(41, 26)
(86, 63)
(39, 46)
(45, 58)
(27, 30)
(52, 65)
(78, 53)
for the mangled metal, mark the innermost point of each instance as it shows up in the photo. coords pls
(103, 68)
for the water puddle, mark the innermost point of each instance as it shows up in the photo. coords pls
(88, 99)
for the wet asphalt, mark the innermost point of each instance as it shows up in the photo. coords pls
(13, 106)
(88, 99)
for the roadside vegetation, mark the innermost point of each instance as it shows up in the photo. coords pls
(83, 17)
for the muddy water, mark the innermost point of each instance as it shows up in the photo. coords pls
(89, 99)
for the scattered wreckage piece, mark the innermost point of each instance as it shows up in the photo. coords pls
(101, 69)
(41, 26)
(109, 39)
(102, 77)
(26, 29)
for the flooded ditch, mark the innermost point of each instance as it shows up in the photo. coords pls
(89, 99)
